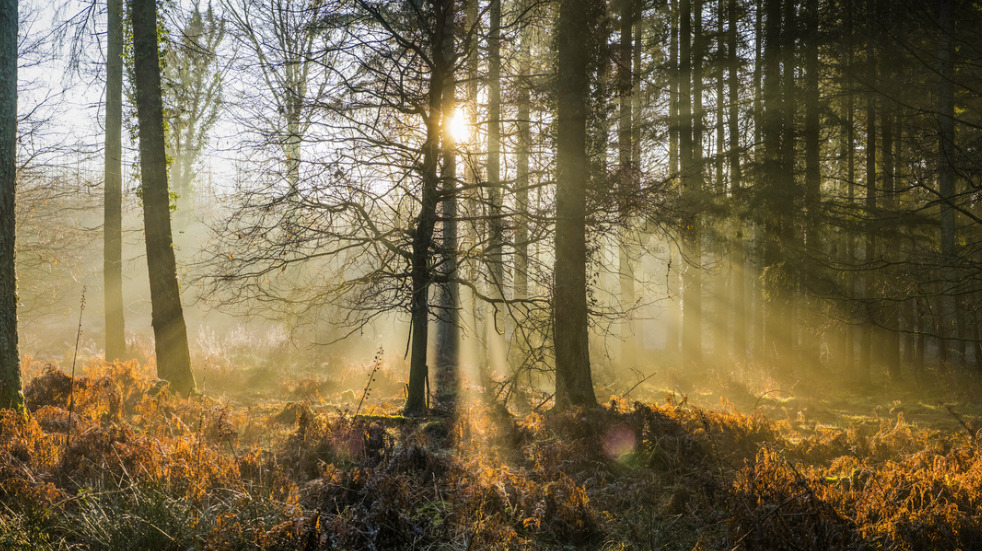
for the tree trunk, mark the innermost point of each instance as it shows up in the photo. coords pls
(788, 326)
(416, 399)
(772, 172)
(170, 333)
(690, 93)
(674, 170)
(946, 176)
(626, 178)
(113, 224)
(521, 279)
(813, 179)
(760, 240)
(448, 329)
(865, 352)
(849, 344)
(721, 293)
(574, 384)
(739, 320)
(495, 249)
(890, 312)
(10, 384)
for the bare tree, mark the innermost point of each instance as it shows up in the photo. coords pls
(281, 71)
(170, 332)
(193, 83)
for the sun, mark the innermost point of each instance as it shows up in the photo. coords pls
(459, 128)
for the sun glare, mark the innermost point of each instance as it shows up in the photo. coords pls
(459, 129)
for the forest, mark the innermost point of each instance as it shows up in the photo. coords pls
(491, 274)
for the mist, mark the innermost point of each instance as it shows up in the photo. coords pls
(490, 274)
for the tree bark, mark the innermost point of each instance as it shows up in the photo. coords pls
(869, 253)
(448, 330)
(790, 240)
(574, 384)
(739, 317)
(775, 191)
(890, 311)
(721, 291)
(521, 279)
(690, 92)
(10, 383)
(674, 170)
(495, 249)
(113, 222)
(813, 180)
(421, 278)
(170, 333)
(626, 178)
(946, 175)
(849, 343)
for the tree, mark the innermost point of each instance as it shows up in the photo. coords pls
(496, 240)
(690, 158)
(627, 175)
(578, 22)
(422, 239)
(813, 175)
(170, 332)
(946, 176)
(448, 330)
(10, 385)
(192, 98)
(278, 99)
(739, 304)
(113, 210)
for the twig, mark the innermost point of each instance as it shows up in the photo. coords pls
(637, 384)
(71, 387)
(543, 402)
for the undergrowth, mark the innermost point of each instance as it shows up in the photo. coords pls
(138, 468)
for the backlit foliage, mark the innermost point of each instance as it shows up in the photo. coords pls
(206, 474)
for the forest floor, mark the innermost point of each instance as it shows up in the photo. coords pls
(293, 462)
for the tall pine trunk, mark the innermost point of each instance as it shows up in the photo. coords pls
(790, 239)
(738, 286)
(869, 253)
(721, 292)
(113, 223)
(495, 248)
(448, 329)
(574, 383)
(773, 175)
(167, 318)
(523, 145)
(849, 341)
(813, 181)
(626, 178)
(674, 120)
(690, 92)
(946, 177)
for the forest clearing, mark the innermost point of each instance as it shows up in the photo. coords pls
(490, 274)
